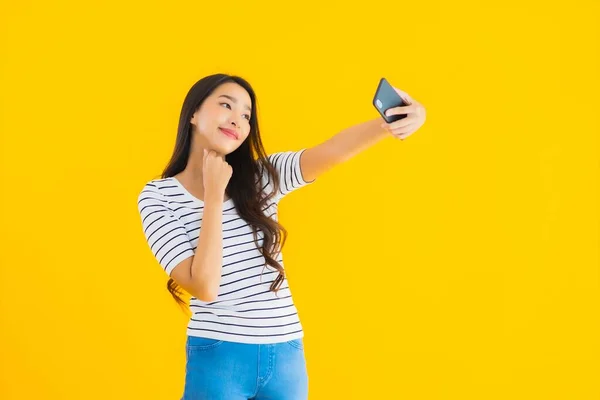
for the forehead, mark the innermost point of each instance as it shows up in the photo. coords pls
(234, 90)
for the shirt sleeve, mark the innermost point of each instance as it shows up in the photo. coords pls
(287, 165)
(165, 233)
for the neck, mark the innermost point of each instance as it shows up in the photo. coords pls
(194, 168)
(192, 175)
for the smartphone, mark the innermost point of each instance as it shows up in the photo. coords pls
(385, 98)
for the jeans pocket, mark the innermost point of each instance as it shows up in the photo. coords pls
(196, 343)
(296, 343)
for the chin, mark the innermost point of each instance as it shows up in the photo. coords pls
(223, 145)
(219, 148)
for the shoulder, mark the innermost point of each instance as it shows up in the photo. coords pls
(283, 161)
(286, 172)
(150, 187)
(154, 189)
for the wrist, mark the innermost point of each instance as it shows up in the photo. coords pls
(214, 197)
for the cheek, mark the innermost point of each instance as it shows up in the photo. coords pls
(204, 125)
(246, 132)
(209, 120)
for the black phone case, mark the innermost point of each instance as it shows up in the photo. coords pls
(386, 98)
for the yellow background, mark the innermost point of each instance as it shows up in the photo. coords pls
(461, 263)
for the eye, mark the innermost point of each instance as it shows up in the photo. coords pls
(247, 116)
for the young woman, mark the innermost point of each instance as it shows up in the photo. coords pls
(211, 222)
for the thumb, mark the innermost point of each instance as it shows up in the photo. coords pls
(205, 159)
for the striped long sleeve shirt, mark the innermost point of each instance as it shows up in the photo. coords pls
(245, 310)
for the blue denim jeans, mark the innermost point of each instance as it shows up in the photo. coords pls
(221, 370)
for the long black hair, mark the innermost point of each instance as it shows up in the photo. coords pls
(247, 162)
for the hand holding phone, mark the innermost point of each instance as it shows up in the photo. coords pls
(385, 98)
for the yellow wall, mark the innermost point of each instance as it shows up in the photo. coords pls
(461, 263)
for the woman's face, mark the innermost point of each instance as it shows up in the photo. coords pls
(222, 122)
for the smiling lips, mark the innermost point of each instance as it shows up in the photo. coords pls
(229, 132)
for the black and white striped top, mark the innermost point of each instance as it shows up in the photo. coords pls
(245, 310)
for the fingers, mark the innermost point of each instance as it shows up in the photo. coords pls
(404, 131)
(209, 155)
(212, 153)
(401, 110)
(401, 123)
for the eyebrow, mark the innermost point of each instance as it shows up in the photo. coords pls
(234, 100)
